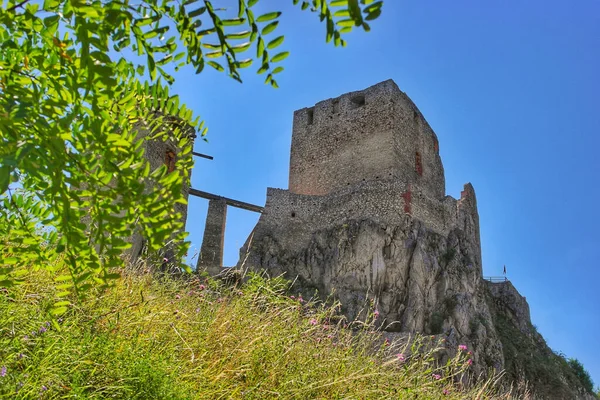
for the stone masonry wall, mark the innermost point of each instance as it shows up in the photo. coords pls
(211, 253)
(374, 134)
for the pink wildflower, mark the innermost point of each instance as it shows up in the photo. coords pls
(166, 260)
(437, 377)
(313, 321)
(300, 299)
(376, 314)
(469, 361)
(462, 347)
(293, 297)
(201, 287)
(386, 342)
(446, 392)
(401, 357)
(177, 297)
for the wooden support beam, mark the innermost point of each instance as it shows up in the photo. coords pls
(202, 155)
(230, 202)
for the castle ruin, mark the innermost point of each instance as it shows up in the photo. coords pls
(366, 220)
(365, 160)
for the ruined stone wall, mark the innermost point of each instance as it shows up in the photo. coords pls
(211, 253)
(295, 217)
(374, 134)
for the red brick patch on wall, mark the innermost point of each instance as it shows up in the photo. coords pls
(418, 164)
(407, 196)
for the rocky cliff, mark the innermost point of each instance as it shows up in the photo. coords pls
(421, 281)
(380, 232)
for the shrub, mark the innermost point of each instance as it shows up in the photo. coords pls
(581, 374)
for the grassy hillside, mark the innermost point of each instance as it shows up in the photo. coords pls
(158, 338)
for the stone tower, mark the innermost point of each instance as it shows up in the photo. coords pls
(375, 134)
(366, 217)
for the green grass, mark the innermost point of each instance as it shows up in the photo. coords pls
(151, 338)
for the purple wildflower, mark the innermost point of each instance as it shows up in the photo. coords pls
(44, 388)
(3, 371)
(43, 329)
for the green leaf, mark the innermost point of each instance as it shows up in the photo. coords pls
(269, 28)
(197, 12)
(275, 42)
(58, 311)
(280, 57)
(238, 35)
(264, 68)
(269, 16)
(244, 63)
(216, 66)
(50, 5)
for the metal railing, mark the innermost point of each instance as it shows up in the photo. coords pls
(496, 279)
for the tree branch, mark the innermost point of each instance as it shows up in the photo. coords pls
(21, 4)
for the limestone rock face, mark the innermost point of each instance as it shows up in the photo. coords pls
(418, 280)
(366, 220)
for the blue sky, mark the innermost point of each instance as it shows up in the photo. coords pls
(511, 89)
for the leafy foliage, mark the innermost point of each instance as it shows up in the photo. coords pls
(582, 374)
(82, 85)
(167, 339)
